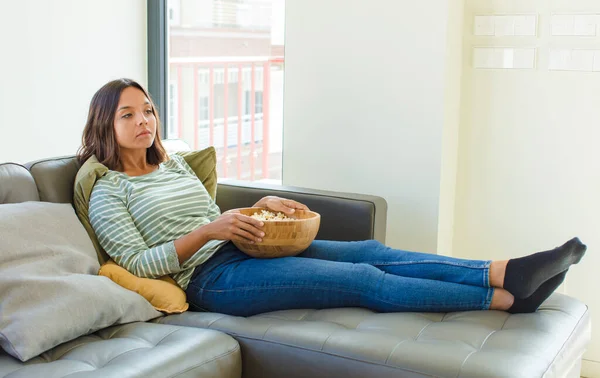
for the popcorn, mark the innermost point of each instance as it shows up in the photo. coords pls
(266, 215)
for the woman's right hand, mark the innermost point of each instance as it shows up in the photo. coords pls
(232, 225)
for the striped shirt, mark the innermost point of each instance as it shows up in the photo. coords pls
(138, 218)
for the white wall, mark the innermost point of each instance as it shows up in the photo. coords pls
(529, 162)
(364, 105)
(55, 55)
(450, 133)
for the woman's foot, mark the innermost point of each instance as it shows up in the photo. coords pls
(531, 303)
(524, 275)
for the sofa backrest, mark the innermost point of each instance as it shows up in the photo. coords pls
(17, 184)
(55, 178)
(52, 180)
(49, 180)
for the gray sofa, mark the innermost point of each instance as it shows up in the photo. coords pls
(343, 342)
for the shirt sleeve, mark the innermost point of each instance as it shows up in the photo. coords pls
(123, 242)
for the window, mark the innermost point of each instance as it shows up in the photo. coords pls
(172, 122)
(258, 107)
(173, 10)
(203, 109)
(225, 72)
(247, 103)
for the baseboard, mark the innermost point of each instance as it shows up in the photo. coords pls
(590, 369)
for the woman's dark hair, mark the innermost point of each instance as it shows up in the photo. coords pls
(99, 133)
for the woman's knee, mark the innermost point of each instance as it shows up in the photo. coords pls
(373, 244)
(366, 277)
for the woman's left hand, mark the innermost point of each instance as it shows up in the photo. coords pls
(286, 206)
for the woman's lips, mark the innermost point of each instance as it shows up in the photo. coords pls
(145, 133)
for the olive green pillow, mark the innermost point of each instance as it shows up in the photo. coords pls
(202, 162)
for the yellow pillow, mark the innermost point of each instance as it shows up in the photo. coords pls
(163, 293)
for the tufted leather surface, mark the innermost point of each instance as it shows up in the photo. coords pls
(135, 350)
(356, 342)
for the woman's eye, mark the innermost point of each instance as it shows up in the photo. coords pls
(149, 111)
(127, 115)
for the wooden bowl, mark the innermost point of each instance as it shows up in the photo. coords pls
(282, 237)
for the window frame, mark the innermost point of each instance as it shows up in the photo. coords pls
(157, 59)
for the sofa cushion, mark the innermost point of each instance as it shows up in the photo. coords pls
(356, 342)
(50, 291)
(16, 184)
(135, 350)
(54, 178)
(85, 179)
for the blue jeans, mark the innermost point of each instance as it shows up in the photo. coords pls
(332, 274)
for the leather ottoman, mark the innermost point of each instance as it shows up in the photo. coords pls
(355, 342)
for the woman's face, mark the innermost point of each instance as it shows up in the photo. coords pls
(135, 123)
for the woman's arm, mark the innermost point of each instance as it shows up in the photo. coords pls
(232, 225)
(121, 239)
(123, 242)
(229, 226)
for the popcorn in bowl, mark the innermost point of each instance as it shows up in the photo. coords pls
(282, 237)
(266, 215)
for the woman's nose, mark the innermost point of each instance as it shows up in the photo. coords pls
(142, 119)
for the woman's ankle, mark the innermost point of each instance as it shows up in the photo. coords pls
(502, 300)
(497, 272)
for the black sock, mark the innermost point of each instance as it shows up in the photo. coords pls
(525, 274)
(532, 303)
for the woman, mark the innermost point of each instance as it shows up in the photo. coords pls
(154, 217)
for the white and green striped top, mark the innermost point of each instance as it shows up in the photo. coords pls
(138, 218)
